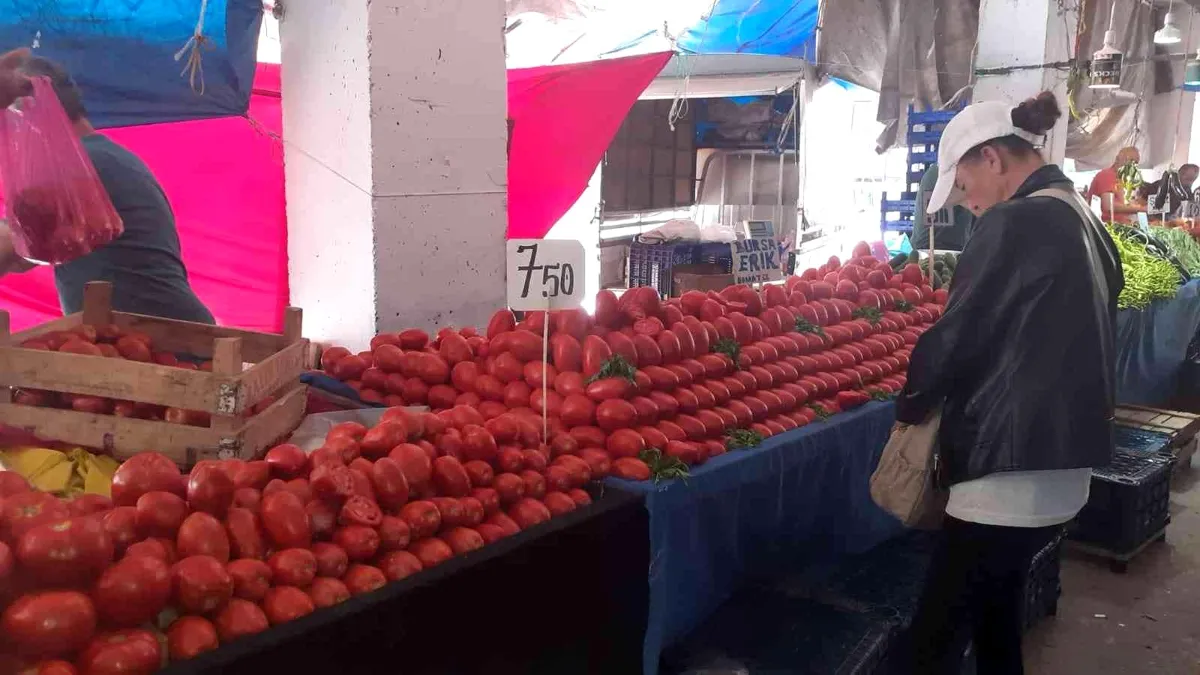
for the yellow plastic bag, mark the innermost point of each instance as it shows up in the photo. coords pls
(76, 471)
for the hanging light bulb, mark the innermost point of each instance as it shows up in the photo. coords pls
(1106, 63)
(1169, 34)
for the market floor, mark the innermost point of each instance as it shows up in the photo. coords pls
(1144, 621)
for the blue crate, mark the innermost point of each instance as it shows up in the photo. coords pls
(651, 264)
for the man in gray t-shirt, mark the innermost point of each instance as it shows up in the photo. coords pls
(144, 264)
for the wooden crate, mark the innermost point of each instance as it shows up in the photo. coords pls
(228, 393)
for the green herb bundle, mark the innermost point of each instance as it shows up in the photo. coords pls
(1182, 245)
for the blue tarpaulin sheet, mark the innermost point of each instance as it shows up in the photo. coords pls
(1152, 346)
(122, 54)
(768, 27)
(799, 499)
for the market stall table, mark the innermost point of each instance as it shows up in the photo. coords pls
(798, 499)
(1152, 346)
(568, 597)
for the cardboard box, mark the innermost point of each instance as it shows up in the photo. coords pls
(702, 277)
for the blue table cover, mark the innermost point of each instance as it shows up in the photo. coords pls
(798, 499)
(1152, 346)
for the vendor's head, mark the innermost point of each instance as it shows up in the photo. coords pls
(989, 149)
(1126, 155)
(68, 92)
(1188, 174)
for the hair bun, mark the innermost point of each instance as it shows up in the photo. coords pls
(1037, 115)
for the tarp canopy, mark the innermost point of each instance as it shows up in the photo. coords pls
(123, 53)
(563, 118)
(224, 178)
(561, 31)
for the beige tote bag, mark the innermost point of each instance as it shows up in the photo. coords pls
(905, 482)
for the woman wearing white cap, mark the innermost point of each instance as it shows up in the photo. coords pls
(1022, 366)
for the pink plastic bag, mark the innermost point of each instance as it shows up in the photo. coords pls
(58, 210)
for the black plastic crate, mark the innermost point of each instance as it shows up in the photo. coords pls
(760, 631)
(1141, 440)
(1129, 502)
(885, 581)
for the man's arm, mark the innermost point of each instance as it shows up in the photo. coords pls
(10, 262)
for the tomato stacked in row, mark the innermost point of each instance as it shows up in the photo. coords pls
(234, 547)
(823, 341)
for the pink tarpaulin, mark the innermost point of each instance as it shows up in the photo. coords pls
(224, 178)
(563, 118)
(225, 181)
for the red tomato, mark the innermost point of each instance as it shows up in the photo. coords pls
(463, 540)
(142, 473)
(431, 552)
(286, 461)
(535, 483)
(251, 578)
(625, 443)
(285, 521)
(559, 503)
(361, 579)
(488, 498)
(65, 552)
(253, 475)
(326, 592)
(286, 603)
(239, 618)
(202, 534)
(398, 565)
(200, 584)
(361, 542)
(415, 463)
(293, 567)
(12, 483)
(210, 489)
(360, 511)
(190, 636)
(529, 512)
(49, 623)
(509, 486)
(598, 461)
(133, 591)
(505, 523)
(124, 652)
(159, 514)
(121, 526)
(87, 504)
(615, 414)
(479, 472)
(162, 549)
(450, 478)
(23, 511)
(245, 537)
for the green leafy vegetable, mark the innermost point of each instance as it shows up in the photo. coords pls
(1182, 246)
(805, 326)
(1147, 276)
(663, 467)
(821, 412)
(1129, 177)
(872, 314)
(743, 438)
(615, 366)
(730, 348)
(903, 306)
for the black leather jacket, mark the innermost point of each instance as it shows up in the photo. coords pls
(1024, 356)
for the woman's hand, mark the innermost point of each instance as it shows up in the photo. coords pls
(13, 84)
(899, 426)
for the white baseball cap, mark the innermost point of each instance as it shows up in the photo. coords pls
(977, 123)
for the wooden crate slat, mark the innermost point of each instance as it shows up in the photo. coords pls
(271, 375)
(186, 337)
(273, 424)
(122, 436)
(109, 378)
(63, 323)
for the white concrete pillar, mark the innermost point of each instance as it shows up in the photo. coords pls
(1024, 34)
(396, 167)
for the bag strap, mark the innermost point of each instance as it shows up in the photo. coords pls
(1070, 198)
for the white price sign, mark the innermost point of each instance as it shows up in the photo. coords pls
(545, 274)
(756, 260)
